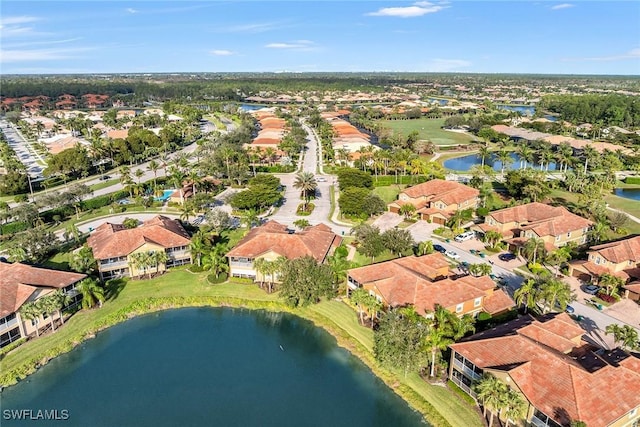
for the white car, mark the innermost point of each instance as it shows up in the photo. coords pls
(321, 179)
(465, 236)
(451, 254)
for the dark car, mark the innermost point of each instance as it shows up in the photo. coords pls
(570, 309)
(439, 248)
(507, 257)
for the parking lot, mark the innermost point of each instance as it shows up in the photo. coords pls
(23, 150)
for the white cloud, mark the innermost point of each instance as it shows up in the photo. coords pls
(632, 54)
(298, 44)
(131, 10)
(252, 28)
(562, 6)
(26, 55)
(221, 52)
(14, 20)
(417, 9)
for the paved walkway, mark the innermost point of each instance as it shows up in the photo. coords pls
(631, 217)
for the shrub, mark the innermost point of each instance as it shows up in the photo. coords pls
(211, 278)
(6, 349)
(483, 316)
(305, 212)
(632, 180)
(607, 298)
(13, 227)
(482, 211)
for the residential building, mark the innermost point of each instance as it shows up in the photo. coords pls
(621, 258)
(556, 226)
(21, 283)
(563, 378)
(424, 282)
(113, 246)
(437, 200)
(273, 240)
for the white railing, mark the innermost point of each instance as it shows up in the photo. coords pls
(240, 264)
(10, 324)
(463, 386)
(113, 264)
(538, 422)
(467, 371)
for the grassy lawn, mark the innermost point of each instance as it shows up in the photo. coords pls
(104, 184)
(180, 284)
(388, 193)
(428, 129)
(365, 260)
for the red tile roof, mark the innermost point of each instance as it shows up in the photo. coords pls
(417, 281)
(114, 240)
(538, 361)
(449, 192)
(19, 281)
(542, 219)
(316, 241)
(620, 251)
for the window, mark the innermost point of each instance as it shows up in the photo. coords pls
(459, 308)
(597, 260)
(557, 238)
(569, 234)
(477, 302)
(633, 412)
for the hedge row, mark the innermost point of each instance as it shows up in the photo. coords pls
(632, 180)
(386, 180)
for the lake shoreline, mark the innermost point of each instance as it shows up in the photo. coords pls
(151, 305)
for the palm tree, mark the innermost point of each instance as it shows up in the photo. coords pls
(484, 153)
(187, 210)
(31, 311)
(564, 155)
(306, 183)
(357, 297)
(216, 260)
(260, 266)
(526, 155)
(91, 292)
(505, 159)
(250, 217)
(490, 391)
(407, 210)
(492, 238)
(515, 408)
(425, 248)
(598, 232)
(199, 246)
(48, 306)
(158, 258)
(455, 222)
(534, 248)
(141, 261)
(589, 153)
(555, 293)
(61, 300)
(526, 294)
(153, 166)
(626, 335)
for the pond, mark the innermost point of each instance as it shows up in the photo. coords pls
(628, 193)
(210, 366)
(465, 163)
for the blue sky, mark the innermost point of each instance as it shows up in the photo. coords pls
(574, 37)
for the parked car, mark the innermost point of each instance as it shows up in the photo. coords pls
(508, 256)
(321, 179)
(452, 254)
(105, 177)
(569, 309)
(467, 235)
(439, 248)
(592, 289)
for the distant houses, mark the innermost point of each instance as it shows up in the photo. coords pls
(425, 282)
(556, 226)
(437, 200)
(562, 378)
(273, 240)
(20, 284)
(114, 247)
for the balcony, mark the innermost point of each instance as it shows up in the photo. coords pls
(113, 264)
(9, 325)
(242, 264)
(466, 370)
(463, 386)
(178, 254)
(538, 422)
(352, 284)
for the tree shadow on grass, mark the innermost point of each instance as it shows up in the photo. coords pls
(113, 288)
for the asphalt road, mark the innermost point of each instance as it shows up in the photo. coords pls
(23, 150)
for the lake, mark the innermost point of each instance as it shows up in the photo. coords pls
(465, 163)
(628, 193)
(210, 366)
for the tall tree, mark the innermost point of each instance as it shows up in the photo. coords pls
(304, 281)
(92, 293)
(306, 183)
